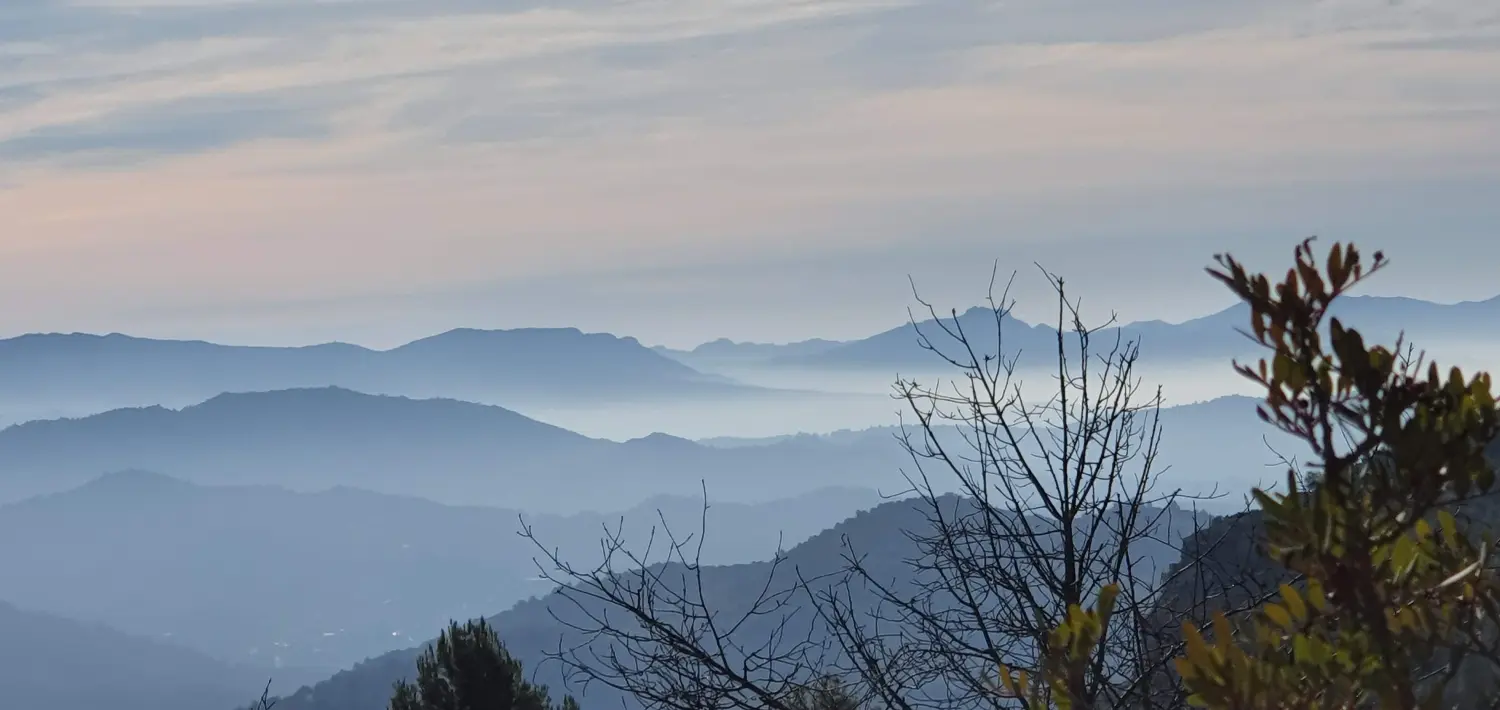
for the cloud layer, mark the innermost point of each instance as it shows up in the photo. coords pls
(174, 164)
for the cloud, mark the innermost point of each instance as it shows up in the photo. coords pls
(313, 150)
(454, 72)
(1482, 43)
(190, 125)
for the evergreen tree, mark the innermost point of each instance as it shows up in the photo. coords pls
(468, 668)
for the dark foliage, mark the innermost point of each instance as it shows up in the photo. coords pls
(468, 668)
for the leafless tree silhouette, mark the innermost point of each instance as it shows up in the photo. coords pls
(265, 702)
(1022, 507)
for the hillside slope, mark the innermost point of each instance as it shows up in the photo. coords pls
(444, 450)
(534, 627)
(52, 663)
(263, 574)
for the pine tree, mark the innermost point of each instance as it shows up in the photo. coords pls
(468, 668)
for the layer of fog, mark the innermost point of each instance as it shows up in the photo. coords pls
(860, 399)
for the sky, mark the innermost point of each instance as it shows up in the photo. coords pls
(292, 171)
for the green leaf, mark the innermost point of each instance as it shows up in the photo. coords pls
(1279, 616)
(1195, 648)
(1449, 526)
(1423, 530)
(1403, 553)
(1315, 595)
(1106, 604)
(1293, 602)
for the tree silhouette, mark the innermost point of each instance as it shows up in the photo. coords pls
(1029, 504)
(1390, 601)
(468, 668)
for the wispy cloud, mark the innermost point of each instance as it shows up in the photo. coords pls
(190, 125)
(316, 149)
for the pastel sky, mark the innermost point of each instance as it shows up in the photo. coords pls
(285, 171)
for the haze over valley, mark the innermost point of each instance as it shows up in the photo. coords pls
(757, 355)
(295, 530)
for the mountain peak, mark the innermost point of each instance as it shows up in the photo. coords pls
(481, 332)
(660, 439)
(524, 341)
(331, 395)
(328, 391)
(134, 481)
(477, 336)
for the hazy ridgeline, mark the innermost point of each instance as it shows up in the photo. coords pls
(214, 516)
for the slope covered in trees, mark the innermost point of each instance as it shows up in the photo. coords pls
(323, 579)
(538, 627)
(52, 663)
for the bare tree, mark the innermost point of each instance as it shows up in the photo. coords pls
(265, 701)
(650, 625)
(1024, 506)
(1059, 495)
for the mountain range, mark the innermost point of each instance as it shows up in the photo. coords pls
(249, 511)
(52, 375)
(289, 527)
(725, 350)
(439, 449)
(264, 576)
(1214, 336)
(43, 375)
(472, 454)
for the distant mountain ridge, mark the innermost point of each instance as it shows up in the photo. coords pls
(1211, 336)
(85, 373)
(441, 449)
(51, 374)
(472, 454)
(264, 575)
(729, 352)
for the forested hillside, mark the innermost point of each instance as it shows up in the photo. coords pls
(533, 629)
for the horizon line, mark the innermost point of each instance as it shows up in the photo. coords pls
(618, 336)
